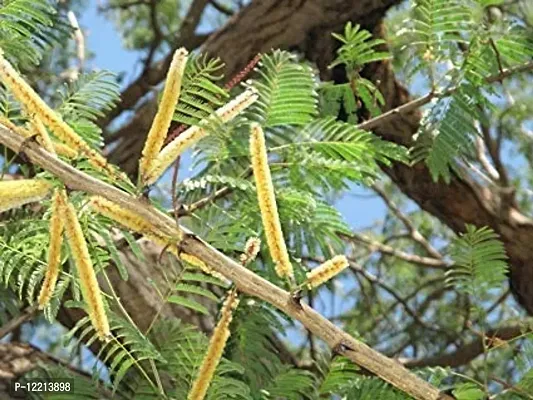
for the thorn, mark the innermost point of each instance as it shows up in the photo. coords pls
(145, 194)
(68, 190)
(183, 211)
(163, 250)
(341, 348)
(24, 144)
(296, 298)
(446, 395)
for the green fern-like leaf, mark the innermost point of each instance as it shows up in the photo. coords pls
(127, 349)
(287, 91)
(25, 29)
(339, 141)
(515, 46)
(357, 48)
(200, 96)
(90, 96)
(448, 133)
(480, 261)
(373, 388)
(184, 347)
(435, 25)
(292, 384)
(341, 373)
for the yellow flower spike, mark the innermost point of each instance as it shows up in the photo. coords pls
(15, 128)
(193, 134)
(158, 131)
(215, 350)
(64, 150)
(267, 203)
(42, 135)
(326, 271)
(196, 262)
(16, 193)
(36, 106)
(89, 284)
(54, 250)
(121, 215)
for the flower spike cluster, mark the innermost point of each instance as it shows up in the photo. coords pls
(215, 349)
(267, 203)
(158, 131)
(193, 134)
(89, 284)
(326, 271)
(36, 106)
(16, 193)
(57, 225)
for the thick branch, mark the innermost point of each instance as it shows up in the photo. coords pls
(13, 324)
(246, 281)
(469, 351)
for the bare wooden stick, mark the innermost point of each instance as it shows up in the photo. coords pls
(25, 316)
(419, 102)
(247, 281)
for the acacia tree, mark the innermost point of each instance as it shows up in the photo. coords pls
(146, 258)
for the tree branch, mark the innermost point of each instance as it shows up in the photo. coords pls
(413, 232)
(466, 353)
(421, 101)
(25, 316)
(245, 280)
(391, 251)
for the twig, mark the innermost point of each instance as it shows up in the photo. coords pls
(483, 160)
(123, 6)
(79, 38)
(464, 354)
(413, 232)
(376, 281)
(246, 281)
(510, 387)
(416, 103)
(26, 315)
(391, 251)
(158, 36)
(221, 8)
